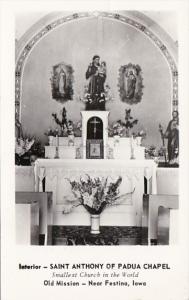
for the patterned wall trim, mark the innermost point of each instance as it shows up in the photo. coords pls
(28, 48)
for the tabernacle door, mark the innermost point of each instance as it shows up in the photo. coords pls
(94, 143)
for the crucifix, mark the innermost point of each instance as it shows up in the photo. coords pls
(95, 122)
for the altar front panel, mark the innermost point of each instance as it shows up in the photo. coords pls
(129, 210)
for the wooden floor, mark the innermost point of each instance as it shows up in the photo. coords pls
(109, 235)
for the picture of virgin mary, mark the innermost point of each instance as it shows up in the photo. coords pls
(61, 82)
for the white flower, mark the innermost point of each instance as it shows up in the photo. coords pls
(94, 190)
(88, 199)
(22, 146)
(85, 197)
(84, 178)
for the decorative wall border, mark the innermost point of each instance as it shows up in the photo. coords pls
(127, 20)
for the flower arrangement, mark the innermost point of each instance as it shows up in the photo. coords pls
(123, 129)
(27, 150)
(152, 152)
(129, 122)
(64, 127)
(103, 97)
(51, 132)
(23, 146)
(93, 193)
(139, 135)
(37, 148)
(117, 129)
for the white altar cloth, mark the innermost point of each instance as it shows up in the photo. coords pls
(55, 172)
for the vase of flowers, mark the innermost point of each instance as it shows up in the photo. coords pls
(70, 132)
(94, 194)
(51, 139)
(51, 134)
(117, 131)
(139, 136)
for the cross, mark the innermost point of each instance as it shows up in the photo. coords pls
(94, 122)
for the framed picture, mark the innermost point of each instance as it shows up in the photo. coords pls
(95, 149)
(61, 82)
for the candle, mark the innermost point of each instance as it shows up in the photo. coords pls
(57, 140)
(57, 137)
(132, 148)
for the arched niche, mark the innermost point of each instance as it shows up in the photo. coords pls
(95, 128)
(99, 122)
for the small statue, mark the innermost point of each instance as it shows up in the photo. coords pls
(172, 134)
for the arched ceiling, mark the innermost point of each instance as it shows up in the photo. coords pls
(167, 20)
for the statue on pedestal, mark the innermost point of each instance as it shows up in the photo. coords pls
(96, 75)
(172, 134)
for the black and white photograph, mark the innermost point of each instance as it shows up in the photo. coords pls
(97, 137)
(94, 150)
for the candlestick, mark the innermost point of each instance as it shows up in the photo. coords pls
(132, 148)
(57, 152)
(57, 141)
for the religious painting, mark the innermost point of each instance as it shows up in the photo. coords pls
(95, 149)
(130, 83)
(61, 82)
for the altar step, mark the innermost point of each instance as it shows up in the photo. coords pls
(109, 235)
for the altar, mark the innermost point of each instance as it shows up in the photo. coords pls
(95, 142)
(52, 175)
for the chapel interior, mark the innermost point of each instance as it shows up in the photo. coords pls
(96, 129)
